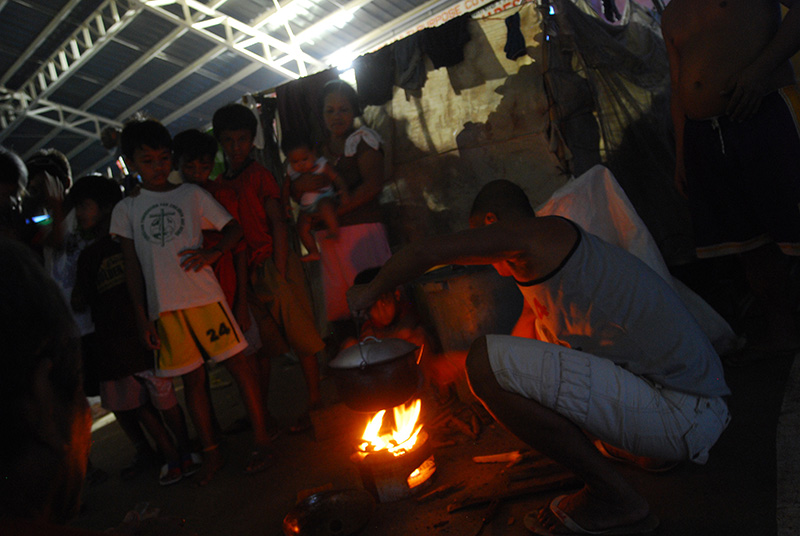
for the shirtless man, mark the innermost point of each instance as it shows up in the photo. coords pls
(734, 105)
(618, 356)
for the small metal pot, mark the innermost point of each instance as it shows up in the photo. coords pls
(330, 513)
(376, 374)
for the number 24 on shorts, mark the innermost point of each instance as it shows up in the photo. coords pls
(215, 334)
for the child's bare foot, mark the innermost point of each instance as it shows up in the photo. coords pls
(212, 463)
(311, 257)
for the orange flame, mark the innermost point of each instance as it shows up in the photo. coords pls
(401, 439)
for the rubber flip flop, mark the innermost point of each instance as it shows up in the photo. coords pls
(531, 522)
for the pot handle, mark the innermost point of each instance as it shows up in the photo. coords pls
(361, 351)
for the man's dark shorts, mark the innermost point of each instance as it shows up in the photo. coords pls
(744, 178)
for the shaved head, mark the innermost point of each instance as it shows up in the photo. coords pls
(503, 198)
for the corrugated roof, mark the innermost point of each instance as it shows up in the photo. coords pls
(69, 68)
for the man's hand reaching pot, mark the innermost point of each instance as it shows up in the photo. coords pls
(360, 299)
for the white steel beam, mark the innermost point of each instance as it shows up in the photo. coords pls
(44, 34)
(67, 118)
(257, 46)
(189, 69)
(98, 29)
(120, 78)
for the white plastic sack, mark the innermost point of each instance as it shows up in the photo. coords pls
(596, 202)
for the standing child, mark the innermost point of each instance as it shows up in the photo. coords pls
(310, 182)
(128, 386)
(180, 307)
(194, 152)
(276, 274)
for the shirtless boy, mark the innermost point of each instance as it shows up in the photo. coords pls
(735, 109)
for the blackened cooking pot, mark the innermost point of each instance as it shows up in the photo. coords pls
(376, 374)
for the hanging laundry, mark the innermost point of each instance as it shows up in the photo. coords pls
(299, 108)
(444, 45)
(515, 42)
(610, 11)
(409, 64)
(375, 76)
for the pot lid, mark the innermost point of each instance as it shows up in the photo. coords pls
(371, 351)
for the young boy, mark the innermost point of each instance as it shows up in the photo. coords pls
(310, 182)
(194, 152)
(277, 277)
(180, 308)
(128, 386)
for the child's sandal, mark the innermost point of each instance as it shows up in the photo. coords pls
(190, 464)
(170, 473)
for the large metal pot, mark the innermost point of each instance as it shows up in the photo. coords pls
(376, 374)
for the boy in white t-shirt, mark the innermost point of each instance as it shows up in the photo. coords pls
(180, 308)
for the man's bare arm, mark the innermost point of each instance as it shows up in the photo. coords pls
(749, 87)
(484, 245)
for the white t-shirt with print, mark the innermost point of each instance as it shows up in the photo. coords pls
(161, 225)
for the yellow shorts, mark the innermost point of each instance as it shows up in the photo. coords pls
(190, 336)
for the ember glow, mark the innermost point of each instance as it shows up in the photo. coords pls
(401, 439)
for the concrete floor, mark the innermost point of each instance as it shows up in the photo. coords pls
(735, 493)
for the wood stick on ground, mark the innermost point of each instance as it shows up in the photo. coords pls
(556, 483)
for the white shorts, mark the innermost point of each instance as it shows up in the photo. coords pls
(607, 401)
(136, 390)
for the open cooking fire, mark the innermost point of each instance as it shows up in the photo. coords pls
(400, 439)
(395, 463)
